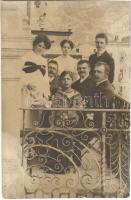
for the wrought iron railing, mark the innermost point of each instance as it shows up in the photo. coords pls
(78, 152)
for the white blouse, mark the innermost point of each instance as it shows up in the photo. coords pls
(36, 78)
(66, 63)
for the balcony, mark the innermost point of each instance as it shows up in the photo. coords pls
(76, 152)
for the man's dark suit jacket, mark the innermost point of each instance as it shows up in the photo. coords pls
(54, 85)
(86, 88)
(104, 93)
(105, 57)
(105, 88)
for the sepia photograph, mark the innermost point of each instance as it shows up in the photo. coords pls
(65, 81)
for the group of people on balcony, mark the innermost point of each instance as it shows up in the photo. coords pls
(65, 81)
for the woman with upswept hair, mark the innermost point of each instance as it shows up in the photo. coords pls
(65, 60)
(35, 88)
(34, 71)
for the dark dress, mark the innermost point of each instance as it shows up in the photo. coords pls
(105, 57)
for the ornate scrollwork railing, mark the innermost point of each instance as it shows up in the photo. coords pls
(86, 150)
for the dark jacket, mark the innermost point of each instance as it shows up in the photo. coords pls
(103, 95)
(54, 85)
(86, 88)
(105, 57)
(105, 88)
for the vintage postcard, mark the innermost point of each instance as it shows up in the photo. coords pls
(65, 98)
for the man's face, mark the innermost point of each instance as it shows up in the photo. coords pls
(99, 73)
(83, 70)
(100, 44)
(52, 69)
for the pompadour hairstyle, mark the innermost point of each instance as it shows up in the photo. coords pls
(42, 38)
(67, 41)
